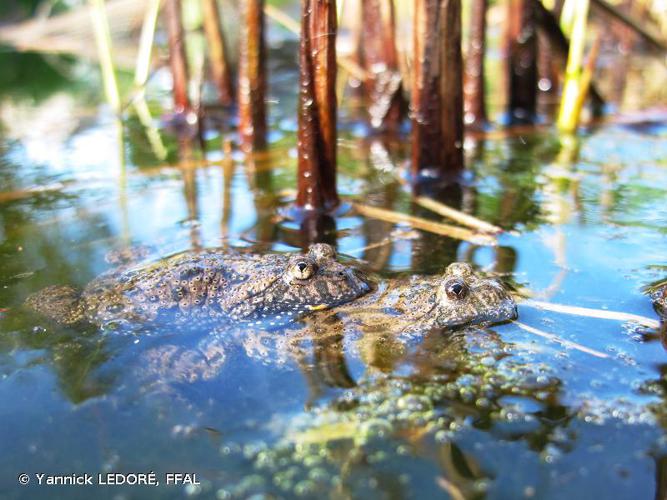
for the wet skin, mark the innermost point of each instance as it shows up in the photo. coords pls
(417, 304)
(411, 306)
(331, 299)
(659, 298)
(210, 287)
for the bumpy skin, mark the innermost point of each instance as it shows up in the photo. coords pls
(270, 286)
(659, 298)
(417, 304)
(210, 286)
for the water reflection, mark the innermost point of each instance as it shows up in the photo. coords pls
(360, 412)
(412, 412)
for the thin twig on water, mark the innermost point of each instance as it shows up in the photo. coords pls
(457, 215)
(425, 225)
(592, 313)
(8, 196)
(563, 342)
(396, 235)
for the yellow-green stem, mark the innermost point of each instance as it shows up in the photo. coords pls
(103, 40)
(152, 132)
(568, 117)
(567, 16)
(146, 43)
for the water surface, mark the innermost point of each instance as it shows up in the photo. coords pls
(498, 412)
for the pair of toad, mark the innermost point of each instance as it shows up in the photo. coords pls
(205, 289)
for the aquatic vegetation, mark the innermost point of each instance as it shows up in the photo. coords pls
(424, 387)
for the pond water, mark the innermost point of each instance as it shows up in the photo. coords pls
(500, 412)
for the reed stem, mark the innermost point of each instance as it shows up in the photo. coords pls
(522, 61)
(437, 89)
(252, 77)
(317, 107)
(177, 59)
(568, 116)
(560, 44)
(104, 51)
(146, 38)
(218, 52)
(474, 91)
(379, 58)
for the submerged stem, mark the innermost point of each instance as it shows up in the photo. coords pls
(592, 313)
(563, 342)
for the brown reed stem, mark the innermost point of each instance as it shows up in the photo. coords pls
(474, 92)
(437, 89)
(379, 58)
(177, 59)
(522, 61)
(252, 77)
(218, 52)
(317, 107)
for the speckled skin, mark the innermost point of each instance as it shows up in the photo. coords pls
(408, 306)
(659, 299)
(657, 291)
(198, 288)
(417, 304)
(396, 308)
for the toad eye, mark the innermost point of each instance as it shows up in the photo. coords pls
(303, 270)
(456, 289)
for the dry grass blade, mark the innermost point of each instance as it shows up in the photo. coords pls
(8, 196)
(280, 17)
(379, 244)
(103, 39)
(72, 32)
(564, 343)
(396, 235)
(457, 215)
(143, 65)
(457, 233)
(592, 313)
